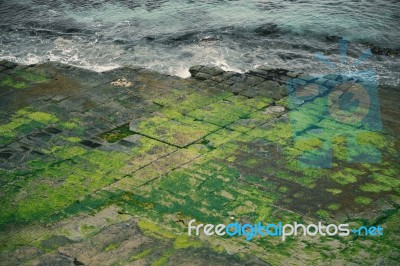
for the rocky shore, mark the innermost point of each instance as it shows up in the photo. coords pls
(109, 168)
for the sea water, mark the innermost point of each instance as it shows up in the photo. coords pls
(171, 36)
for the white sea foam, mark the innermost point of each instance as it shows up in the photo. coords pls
(172, 36)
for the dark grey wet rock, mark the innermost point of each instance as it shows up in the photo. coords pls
(8, 64)
(239, 78)
(266, 72)
(5, 154)
(55, 241)
(308, 79)
(202, 76)
(56, 259)
(19, 255)
(195, 69)
(333, 38)
(267, 88)
(253, 80)
(205, 72)
(267, 29)
(212, 70)
(331, 83)
(90, 143)
(385, 51)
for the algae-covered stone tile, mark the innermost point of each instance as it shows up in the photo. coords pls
(222, 113)
(253, 120)
(220, 137)
(190, 152)
(258, 102)
(187, 100)
(177, 133)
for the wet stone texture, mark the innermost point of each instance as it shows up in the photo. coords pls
(109, 168)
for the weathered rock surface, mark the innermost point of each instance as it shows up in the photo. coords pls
(109, 168)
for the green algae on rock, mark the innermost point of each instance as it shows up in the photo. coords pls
(131, 166)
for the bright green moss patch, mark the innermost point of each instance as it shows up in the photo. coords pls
(222, 113)
(252, 121)
(363, 200)
(23, 123)
(307, 144)
(376, 140)
(179, 133)
(334, 191)
(111, 246)
(163, 260)
(345, 176)
(31, 76)
(301, 121)
(220, 137)
(6, 138)
(43, 117)
(73, 139)
(375, 188)
(323, 214)
(15, 84)
(154, 229)
(69, 125)
(386, 180)
(29, 127)
(66, 152)
(117, 134)
(184, 101)
(186, 242)
(53, 187)
(145, 253)
(279, 133)
(333, 127)
(88, 230)
(333, 206)
(22, 79)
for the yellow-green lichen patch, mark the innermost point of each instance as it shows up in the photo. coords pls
(253, 121)
(333, 206)
(67, 152)
(117, 134)
(88, 230)
(363, 200)
(10, 82)
(334, 191)
(32, 76)
(374, 188)
(279, 133)
(184, 101)
(300, 121)
(24, 122)
(145, 253)
(390, 182)
(73, 139)
(53, 187)
(178, 133)
(346, 176)
(222, 113)
(22, 79)
(111, 246)
(220, 137)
